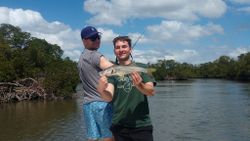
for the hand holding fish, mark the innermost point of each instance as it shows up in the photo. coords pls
(145, 88)
(103, 83)
(105, 89)
(136, 78)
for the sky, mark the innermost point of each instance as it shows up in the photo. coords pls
(191, 31)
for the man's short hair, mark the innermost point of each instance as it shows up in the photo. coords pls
(122, 38)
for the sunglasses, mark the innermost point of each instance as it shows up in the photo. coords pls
(94, 37)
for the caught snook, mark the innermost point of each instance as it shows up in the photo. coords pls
(122, 70)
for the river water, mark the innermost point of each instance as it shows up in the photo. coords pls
(193, 110)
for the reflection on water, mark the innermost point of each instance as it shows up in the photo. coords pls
(202, 110)
(194, 110)
(40, 121)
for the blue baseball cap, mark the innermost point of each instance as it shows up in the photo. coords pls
(88, 31)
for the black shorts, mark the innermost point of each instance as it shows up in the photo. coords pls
(122, 133)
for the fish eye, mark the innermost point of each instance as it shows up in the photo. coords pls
(112, 71)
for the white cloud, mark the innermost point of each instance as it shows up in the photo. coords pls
(182, 32)
(31, 21)
(153, 56)
(241, 5)
(173, 31)
(53, 32)
(193, 56)
(107, 35)
(116, 12)
(244, 9)
(73, 54)
(211, 53)
(238, 51)
(28, 19)
(19, 16)
(241, 1)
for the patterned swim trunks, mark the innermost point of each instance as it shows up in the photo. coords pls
(97, 116)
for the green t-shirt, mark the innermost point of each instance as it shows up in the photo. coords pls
(130, 106)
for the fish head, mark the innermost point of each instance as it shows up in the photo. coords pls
(108, 72)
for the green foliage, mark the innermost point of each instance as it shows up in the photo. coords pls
(224, 67)
(14, 36)
(169, 69)
(61, 78)
(243, 71)
(23, 56)
(6, 67)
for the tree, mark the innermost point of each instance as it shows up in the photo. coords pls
(22, 56)
(223, 65)
(6, 69)
(244, 66)
(14, 36)
(61, 78)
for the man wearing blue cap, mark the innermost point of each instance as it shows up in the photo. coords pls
(97, 112)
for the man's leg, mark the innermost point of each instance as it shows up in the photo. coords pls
(120, 133)
(142, 134)
(90, 122)
(103, 116)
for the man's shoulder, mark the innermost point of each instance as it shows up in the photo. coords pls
(91, 53)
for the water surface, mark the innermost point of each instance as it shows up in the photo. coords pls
(194, 110)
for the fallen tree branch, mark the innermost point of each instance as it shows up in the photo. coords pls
(24, 89)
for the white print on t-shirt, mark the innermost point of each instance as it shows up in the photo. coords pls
(125, 83)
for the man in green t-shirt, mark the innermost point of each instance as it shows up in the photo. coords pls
(128, 96)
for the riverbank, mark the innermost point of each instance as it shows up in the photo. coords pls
(25, 90)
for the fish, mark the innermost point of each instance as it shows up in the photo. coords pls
(121, 70)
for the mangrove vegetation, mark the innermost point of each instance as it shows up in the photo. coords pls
(32, 68)
(23, 56)
(224, 67)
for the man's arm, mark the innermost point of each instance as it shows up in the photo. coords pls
(105, 63)
(105, 89)
(145, 88)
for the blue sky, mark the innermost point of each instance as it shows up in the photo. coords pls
(192, 31)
